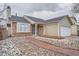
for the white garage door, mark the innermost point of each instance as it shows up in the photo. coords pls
(65, 31)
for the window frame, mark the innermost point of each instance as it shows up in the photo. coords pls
(19, 28)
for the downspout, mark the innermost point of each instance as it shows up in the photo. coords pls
(58, 29)
(11, 29)
(35, 29)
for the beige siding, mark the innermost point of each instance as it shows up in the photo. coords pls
(74, 30)
(73, 26)
(65, 22)
(51, 29)
(73, 20)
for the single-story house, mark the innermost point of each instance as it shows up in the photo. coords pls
(2, 23)
(27, 25)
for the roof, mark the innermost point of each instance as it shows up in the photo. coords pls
(37, 20)
(57, 19)
(18, 19)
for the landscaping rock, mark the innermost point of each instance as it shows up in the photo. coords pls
(69, 42)
(7, 48)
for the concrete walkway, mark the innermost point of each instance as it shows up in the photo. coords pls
(51, 47)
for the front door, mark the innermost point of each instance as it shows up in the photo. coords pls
(40, 30)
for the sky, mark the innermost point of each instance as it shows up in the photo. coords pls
(40, 10)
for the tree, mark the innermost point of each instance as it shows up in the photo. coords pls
(75, 8)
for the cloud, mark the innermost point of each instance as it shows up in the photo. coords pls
(24, 8)
(66, 6)
(47, 14)
(41, 10)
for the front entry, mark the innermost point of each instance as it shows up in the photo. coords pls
(39, 29)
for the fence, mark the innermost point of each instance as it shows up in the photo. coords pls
(3, 33)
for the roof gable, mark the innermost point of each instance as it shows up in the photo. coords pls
(65, 22)
(34, 19)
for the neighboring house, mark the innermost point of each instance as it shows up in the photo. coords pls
(4, 15)
(3, 29)
(2, 23)
(73, 26)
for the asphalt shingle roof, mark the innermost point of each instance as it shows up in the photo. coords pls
(57, 19)
(37, 20)
(18, 19)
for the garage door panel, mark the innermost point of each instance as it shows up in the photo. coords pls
(65, 31)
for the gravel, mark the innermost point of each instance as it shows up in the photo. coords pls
(7, 48)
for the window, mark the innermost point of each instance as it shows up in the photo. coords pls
(8, 25)
(22, 27)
